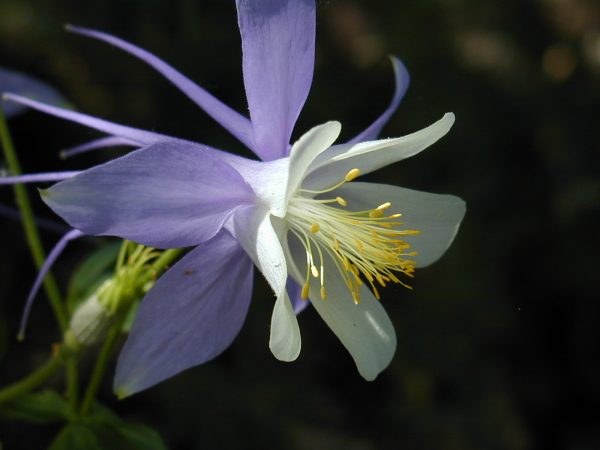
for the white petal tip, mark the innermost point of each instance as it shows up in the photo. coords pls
(335, 126)
(285, 341)
(450, 118)
(369, 377)
(285, 355)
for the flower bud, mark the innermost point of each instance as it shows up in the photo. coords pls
(92, 318)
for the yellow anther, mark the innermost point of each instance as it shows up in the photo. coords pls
(351, 175)
(359, 245)
(376, 213)
(345, 263)
(314, 271)
(314, 228)
(336, 244)
(395, 216)
(304, 293)
(356, 297)
(341, 201)
(376, 292)
(323, 293)
(393, 278)
(384, 206)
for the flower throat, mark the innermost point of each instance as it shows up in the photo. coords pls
(364, 245)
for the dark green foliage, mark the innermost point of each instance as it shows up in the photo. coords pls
(105, 430)
(40, 407)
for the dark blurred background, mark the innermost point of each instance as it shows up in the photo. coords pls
(498, 342)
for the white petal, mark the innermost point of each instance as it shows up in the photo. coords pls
(275, 181)
(268, 180)
(254, 231)
(365, 329)
(285, 340)
(306, 149)
(258, 237)
(331, 166)
(437, 216)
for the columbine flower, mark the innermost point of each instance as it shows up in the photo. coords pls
(312, 231)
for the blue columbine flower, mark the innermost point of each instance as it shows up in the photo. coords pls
(297, 215)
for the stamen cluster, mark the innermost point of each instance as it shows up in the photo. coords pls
(364, 245)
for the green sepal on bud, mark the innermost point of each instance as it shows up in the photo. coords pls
(91, 319)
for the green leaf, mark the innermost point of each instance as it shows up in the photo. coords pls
(141, 437)
(77, 436)
(103, 415)
(91, 273)
(42, 407)
(116, 434)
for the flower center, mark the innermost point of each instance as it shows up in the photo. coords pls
(364, 245)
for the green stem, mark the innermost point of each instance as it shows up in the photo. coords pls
(72, 391)
(31, 232)
(32, 381)
(167, 257)
(101, 364)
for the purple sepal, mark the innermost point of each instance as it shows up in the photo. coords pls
(231, 120)
(402, 80)
(190, 316)
(52, 257)
(37, 177)
(19, 83)
(278, 44)
(167, 195)
(142, 137)
(97, 144)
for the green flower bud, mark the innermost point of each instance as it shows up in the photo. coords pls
(92, 318)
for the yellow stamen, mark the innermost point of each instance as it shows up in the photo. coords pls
(376, 293)
(352, 174)
(323, 293)
(359, 245)
(363, 245)
(305, 289)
